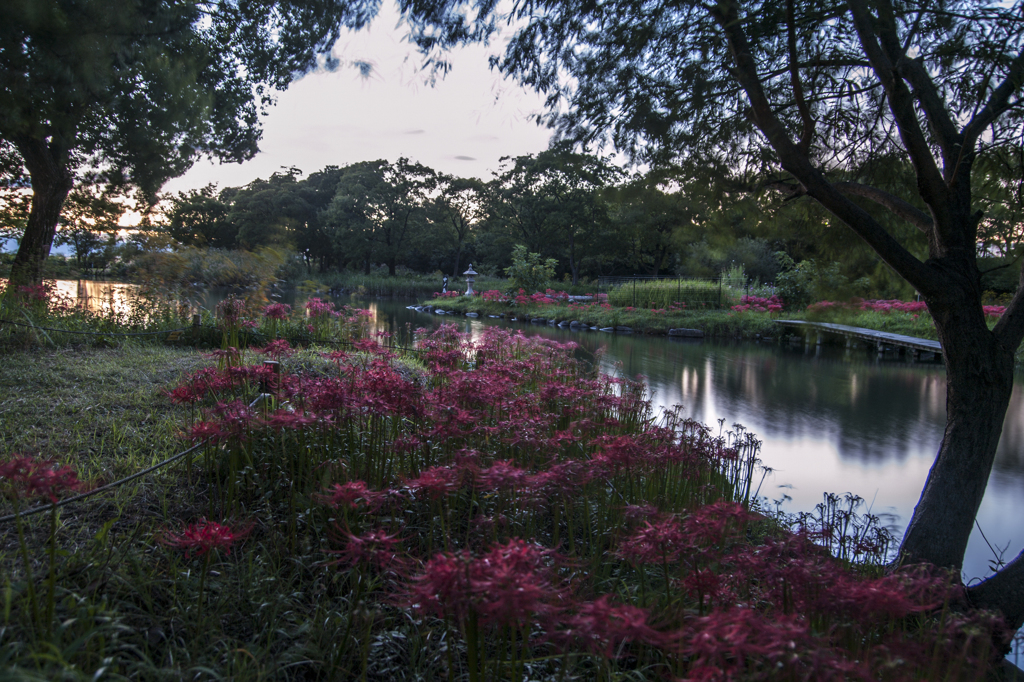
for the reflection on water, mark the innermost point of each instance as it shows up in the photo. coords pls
(99, 297)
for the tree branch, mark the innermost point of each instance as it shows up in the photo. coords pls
(726, 14)
(901, 104)
(807, 134)
(1009, 330)
(997, 103)
(1003, 592)
(903, 209)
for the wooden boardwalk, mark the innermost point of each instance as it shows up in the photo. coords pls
(871, 336)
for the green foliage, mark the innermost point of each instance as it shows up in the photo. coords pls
(130, 94)
(199, 218)
(528, 272)
(181, 270)
(1001, 275)
(377, 210)
(808, 281)
(669, 293)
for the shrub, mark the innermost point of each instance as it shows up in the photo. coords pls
(528, 271)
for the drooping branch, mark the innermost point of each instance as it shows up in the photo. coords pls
(807, 133)
(726, 14)
(904, 209)
(998, 103)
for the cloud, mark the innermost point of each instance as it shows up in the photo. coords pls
(460, 157)
(414, 132)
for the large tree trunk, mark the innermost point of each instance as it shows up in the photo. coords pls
(979, 380)
(51, 183)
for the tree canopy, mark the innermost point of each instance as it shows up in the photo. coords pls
(131, 94)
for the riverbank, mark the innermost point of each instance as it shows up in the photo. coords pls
(751, 318)
(592, 314)
(353, 568)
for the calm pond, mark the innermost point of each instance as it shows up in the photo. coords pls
(833, 421)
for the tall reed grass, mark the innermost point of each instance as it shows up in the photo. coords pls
(675, 293)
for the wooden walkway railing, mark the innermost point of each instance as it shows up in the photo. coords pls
(879, 339)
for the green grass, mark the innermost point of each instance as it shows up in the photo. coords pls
(104, 409)
(894, 322)
(667, 293)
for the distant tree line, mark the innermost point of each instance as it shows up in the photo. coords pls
(578, 208)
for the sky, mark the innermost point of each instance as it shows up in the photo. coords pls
(462, 125)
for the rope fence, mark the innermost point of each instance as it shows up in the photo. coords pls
(110, 486)
(72, 331)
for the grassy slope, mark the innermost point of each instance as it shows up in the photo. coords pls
(104, 413)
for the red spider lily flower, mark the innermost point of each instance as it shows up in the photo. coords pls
(509, 585)
(640, 512)
(230, 310)
(602, 627)
(501, 475)
(740, 642)
(715, 522)
(437, 481)
(367, 346)
(277, 311)
(444, 587)
(316, 307)
(349, 496)
(31, 477)
(654, 543)
(513, 584)
(374, 548)
(279, 348)
(705, 583)
(185, 394)
(208, 429)
(204, 536)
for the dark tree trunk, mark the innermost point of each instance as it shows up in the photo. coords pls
(391, 267)
(51, 183)
(366, 266)
(979, 379)
(458, 257)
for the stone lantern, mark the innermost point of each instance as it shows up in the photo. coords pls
(469, 273)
